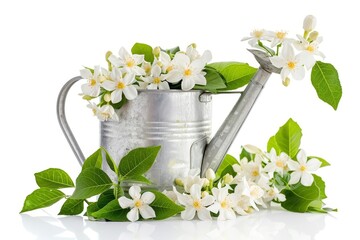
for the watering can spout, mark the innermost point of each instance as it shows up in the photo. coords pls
(217, 148)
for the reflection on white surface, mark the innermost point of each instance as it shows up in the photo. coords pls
(266, 224)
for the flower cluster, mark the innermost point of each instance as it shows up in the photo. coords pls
(250, 183)
(127, 73)
(284, 56)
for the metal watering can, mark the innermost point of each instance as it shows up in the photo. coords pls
(178, 121)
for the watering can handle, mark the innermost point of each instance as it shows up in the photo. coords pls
(60, 110)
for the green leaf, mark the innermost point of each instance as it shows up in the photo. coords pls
(110, 161)
(41, 198)
(281, 181)
(138, 179)
(214, 81)
(288, 138)
(321, 185)
(95, 160)
(138, 161)
(246, 154)
(90, 182)
(112, 211)
(72, 207)
(273, 144)
(172, 51)
(164, 207)
(144, 49)
(325, 79)
(93, 207)
(294, 203)
(226, 162)
(53, 178)
(309, 193)
(324, 163)
(105, 198)
(236, 74)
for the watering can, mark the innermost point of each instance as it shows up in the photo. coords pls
(178, 121)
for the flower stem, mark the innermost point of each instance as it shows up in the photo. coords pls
(265, 48)
(278, 48)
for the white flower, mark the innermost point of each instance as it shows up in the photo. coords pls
(193, 54)
(302, 169)
(191, 179)
(147, 68)
(309, 50)
(277, 163)
(289, 63)
(120, 85)
(273, 193)
(92, 87)
(278, 38)
(166, 62)
(194, 203)
(156, 80)
(129, 62)
(253, 191)
(94, 108)
(253, 149)
(138, 203)
(223, 203)
(189, 72)
(253, 170)
(106, 113)
(309, 23)
(257, 35)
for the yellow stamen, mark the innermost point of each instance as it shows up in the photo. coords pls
(120, 85)
(291, 64)
(187, 72)
(157, 80)
(255, 173)
(258, 33)
(196, 204)
(280, 164)
(130, 62)
(310, 48)
(223, 204)
(280, 35)
(92, 82)
(138, 203)
(303, 168)
(169, 68)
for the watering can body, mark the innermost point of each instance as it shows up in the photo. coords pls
(178, 121)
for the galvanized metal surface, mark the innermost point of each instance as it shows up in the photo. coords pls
(175, 120)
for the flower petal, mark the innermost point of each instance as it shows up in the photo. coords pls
(184, 199)
(284, 72)
(207, 56)
(138, 59)
(156, 71)
(301, 157)
(130, 92)
(147, 197)
(134, 192)
(152, 86)
(188, 213)
(288, 52)
(125, 202)
(133, 215)
(230, 214)
(123, 54)
(181, 60)
(147, 212)
(307, 179)
(294, 177)
(204, 214)
(164, 85)
(187, 83)
(86, 73)
(298, 73)
(195, 191)
(109, 85)
(253, 149)
(293, 165)
(197, 65)
(214, 208)
(199, 79)
(174, 76)
(116, 96)
(115, 61)
(313, 164)
(207, 200)
(129, 78)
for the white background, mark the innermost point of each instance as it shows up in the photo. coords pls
(45, 43)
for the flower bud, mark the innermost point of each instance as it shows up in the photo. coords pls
(107, 97)
(309, 23)
(107, 55)
(204, 194)
(179, 182)
(313, 36)
(157, 51)
(210, 174)
(228, 178)
(237, 168)
(193, 45)
(206, 183)
(286, 81)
